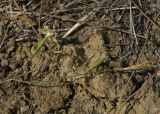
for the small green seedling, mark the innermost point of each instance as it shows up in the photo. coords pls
(48, 34)
(98, 62)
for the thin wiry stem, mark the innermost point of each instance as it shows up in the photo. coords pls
(132, 23)
(5, 36)
(26, 18)
(149, 19)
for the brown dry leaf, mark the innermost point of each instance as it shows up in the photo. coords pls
(135, 67)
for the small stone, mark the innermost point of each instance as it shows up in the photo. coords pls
(4, 63)
(13, 65)
(24, 109)
(10, 49)
(115, 64)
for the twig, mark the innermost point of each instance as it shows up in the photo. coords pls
(123, 12)
(33, 83)
(26, 18)
(5, 35)
(132, 24)
(129, 80)
(132, 96)
(77, 25)
(40, 11)
(149, 19)
(124, 90)
(118, 30)
(116, 9)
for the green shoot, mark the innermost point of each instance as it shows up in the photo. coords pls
(47, 35)
(98, 62)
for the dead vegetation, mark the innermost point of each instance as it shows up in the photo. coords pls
(80, 56)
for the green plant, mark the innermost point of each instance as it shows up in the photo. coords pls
(48, 34)
(98, 62)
